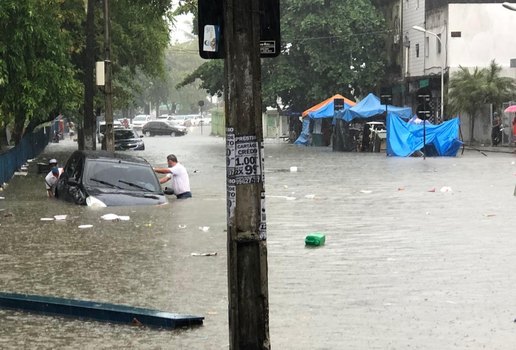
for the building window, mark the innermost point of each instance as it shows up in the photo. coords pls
(417, 50)
(456, 34)
(439, 43)
(427, 46)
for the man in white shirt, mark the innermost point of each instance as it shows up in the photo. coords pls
(179, 176)
(52, 177)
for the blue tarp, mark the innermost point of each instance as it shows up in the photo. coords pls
(370, 107)
(304, 138)
(326, 111)
(405, 138)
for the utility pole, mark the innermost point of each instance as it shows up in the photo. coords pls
(108, 113)
(86, 133)
(247, 239)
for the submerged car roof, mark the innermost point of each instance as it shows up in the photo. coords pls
(110, 156)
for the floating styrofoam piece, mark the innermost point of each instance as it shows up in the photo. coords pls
(109, 217)
(47, 219)
(85, 226)
(60, 217)
(204, 254)
(366, 191)
(2, 197)
(446, 189)
(114, 217)
(293, 169)
(204, 228)
(181, 226)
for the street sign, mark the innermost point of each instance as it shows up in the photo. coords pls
(210, 15)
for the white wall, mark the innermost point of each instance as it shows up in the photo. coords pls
(487, 33)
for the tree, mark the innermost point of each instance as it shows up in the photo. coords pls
(470, 91)
(38, 78)
(328, 47)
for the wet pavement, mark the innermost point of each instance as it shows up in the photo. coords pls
(419, 253)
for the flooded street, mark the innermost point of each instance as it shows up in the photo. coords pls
(419, 253)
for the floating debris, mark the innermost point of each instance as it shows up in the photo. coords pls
(293, 169)
(114, 217)
(431, 190)
(204, 228)
(60, 217)
(181, 226)
(445, 189)
(47, 219)
(204, 254)
(85, 226)
(366, 191)
(310, 196)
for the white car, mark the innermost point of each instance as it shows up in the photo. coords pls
(139, 121)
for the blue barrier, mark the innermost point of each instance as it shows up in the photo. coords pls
(30, 147)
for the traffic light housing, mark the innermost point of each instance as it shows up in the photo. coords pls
(210, 16)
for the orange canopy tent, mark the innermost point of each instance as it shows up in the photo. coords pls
(327, 105)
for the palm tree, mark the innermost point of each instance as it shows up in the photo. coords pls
(466, 93)
(499, 89)
(470, 91)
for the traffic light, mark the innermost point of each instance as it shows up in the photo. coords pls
(210, 16)
(424, 109)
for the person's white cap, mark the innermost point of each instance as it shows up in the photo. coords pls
(52, 161)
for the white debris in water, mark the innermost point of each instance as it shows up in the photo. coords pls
(204, 254)
(114, 217)
(366, 191)
(60, 217)
(204, 228)
(2, 197)
(310, 196)
(446, 189)
(85, 226)
(47, 219)
(293, 169)
(181, 226)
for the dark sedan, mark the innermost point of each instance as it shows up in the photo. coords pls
(100, 178)
(159, 127)
(127, 139)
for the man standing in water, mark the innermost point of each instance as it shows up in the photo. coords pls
(179, 176)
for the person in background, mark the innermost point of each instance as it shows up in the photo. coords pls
(52, 177)
(514, 130)
(177, 173)
(496, 131)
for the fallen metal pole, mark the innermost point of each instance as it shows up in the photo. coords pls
(97, 311)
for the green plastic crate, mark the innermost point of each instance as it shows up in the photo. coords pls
(315, 239)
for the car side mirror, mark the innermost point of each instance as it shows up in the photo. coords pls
(72, 182)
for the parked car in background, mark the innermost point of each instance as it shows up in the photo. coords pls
(102, 129)
(139, 121)
(185, 120)
(127, 139)
(160, 127)
(100, 178)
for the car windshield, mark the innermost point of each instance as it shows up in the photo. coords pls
(140, 118)
(125, 134)
(122, 175)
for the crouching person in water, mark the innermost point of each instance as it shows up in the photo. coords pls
(178, 175)
(52, 177)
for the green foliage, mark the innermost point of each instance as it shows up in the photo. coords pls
(328, 47)
(35, 62)
(469, 90)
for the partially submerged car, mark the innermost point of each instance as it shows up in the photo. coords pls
(126, 140)
(101, 178)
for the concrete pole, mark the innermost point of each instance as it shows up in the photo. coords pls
(108, 113)
(246, 234)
